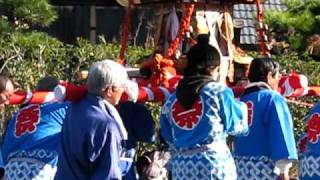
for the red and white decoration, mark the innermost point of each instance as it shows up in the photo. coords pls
(187, 119)
(291, 85)
(27, 120)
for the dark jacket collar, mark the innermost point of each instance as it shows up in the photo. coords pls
(255, 86)
(189, 89)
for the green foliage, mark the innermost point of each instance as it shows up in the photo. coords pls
(297, 42)
(26, 57)
(303, 18)
(155, 109)
(83, 54)
(36, 54)
(4, 25)
(303, 65)
(293, 4)
(33, 12)
(29, 56)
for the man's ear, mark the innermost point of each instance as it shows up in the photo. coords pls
(269, 78)
(215, 73)
(217, 69)
(108, 92)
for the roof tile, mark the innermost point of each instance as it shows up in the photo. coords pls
(247, 13)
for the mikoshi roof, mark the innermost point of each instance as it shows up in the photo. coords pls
(247, 13)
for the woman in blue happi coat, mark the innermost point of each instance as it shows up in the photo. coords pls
(196, 120)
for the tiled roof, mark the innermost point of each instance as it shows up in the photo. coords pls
(247, 12)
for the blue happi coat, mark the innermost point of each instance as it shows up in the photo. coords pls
(309, 147)
(30, 146)
(270, 137)
(197, 136)
(90, 142)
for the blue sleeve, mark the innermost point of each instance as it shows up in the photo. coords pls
(233, 113)
(143, 126)
(103, 151)
(165, 126)
(59, 112)
(6, 140)
(310, 143)
(314, 109)
(146, 123)
(280, 129)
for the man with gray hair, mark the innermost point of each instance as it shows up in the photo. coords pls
(93, 131)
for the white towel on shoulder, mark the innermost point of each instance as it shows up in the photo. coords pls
(117, 118)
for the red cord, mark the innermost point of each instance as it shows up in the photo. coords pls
(300, 103)
(125, 34)
(183, 28)
(261, 31)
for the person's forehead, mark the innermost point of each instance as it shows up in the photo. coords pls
(9, 86)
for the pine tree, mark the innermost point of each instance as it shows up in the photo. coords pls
(23, 14)
(301, 20)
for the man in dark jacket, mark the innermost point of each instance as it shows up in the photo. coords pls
(93, 130)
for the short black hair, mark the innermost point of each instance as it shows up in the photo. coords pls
(260, 67)
(47, 83)
(3, 82)
(201, 57)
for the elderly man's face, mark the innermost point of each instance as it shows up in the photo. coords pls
(6, 94)
(113, 94)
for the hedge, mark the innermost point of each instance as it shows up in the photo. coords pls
(26, 57)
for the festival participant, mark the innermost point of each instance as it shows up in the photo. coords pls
(6, 90)
(268, 149)
(30, 145)
(93, 130)
(309, 147)
(139, 124)
(196, 120)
